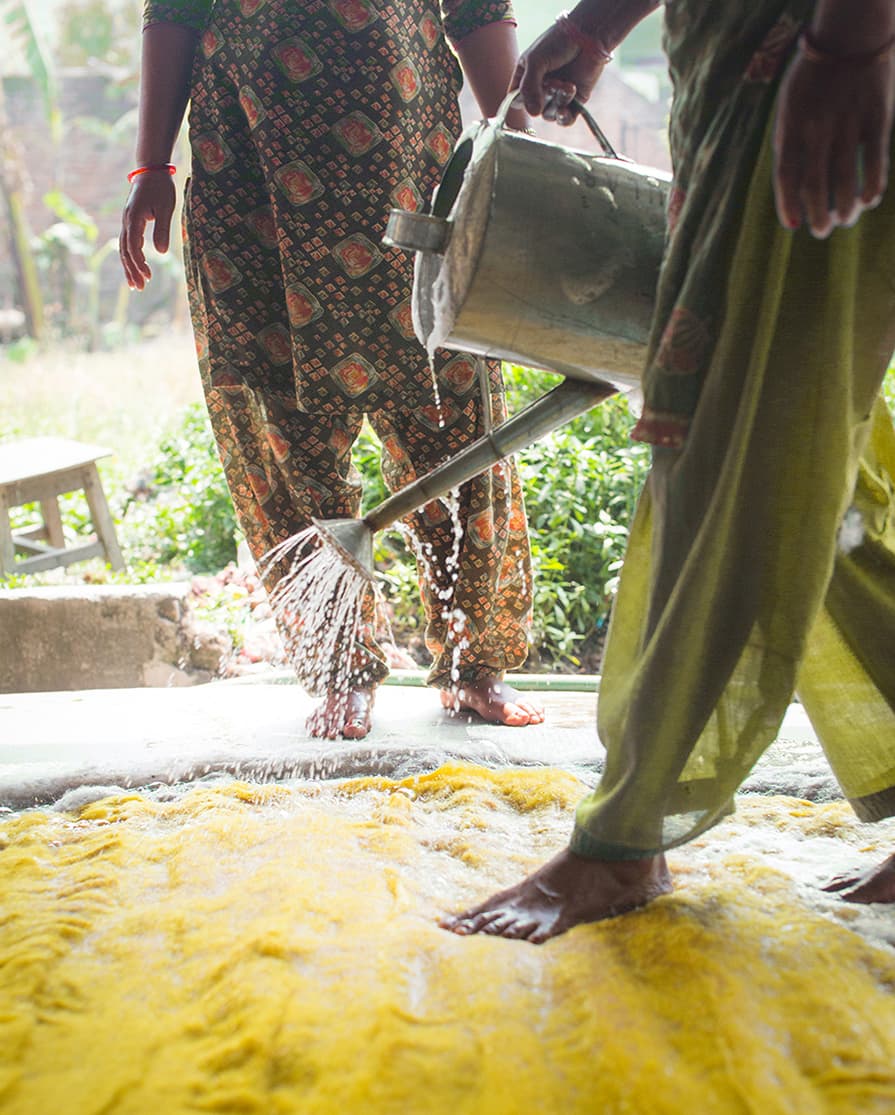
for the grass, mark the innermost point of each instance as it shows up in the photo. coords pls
(124, 400)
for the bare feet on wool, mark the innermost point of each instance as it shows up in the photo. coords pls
(875, 885)
(567, 891)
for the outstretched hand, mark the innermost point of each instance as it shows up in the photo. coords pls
(152, 198)
(831, 142)
(551, 72)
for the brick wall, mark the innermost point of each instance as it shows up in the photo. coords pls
(90, 168)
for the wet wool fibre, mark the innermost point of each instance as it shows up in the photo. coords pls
(274, 949)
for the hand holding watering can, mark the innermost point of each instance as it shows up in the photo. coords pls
(565, 63)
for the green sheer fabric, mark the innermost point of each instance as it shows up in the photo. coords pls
(761, 396)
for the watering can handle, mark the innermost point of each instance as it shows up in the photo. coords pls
(598, 133)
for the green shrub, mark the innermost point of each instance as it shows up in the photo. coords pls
(188, 517)
(581, 486)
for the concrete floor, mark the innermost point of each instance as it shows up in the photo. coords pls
(53, 744)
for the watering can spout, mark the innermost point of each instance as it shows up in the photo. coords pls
(416, 232)
(353, 540)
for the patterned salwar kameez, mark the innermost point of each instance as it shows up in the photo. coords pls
(308, 122)
(762, 402)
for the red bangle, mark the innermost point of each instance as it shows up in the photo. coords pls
(585, 43)
(814, 53)
(168, 168)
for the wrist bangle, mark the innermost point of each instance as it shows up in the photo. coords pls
(168, 168)
(813, 53)
(587, 44)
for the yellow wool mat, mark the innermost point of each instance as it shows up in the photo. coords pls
(272, 949)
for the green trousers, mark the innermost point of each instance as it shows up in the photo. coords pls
(762, 398)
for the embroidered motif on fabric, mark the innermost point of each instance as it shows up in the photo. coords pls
(661, 428)
(676, 199)
(684, 343)
(766, 63)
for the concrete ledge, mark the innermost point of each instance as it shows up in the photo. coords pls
(103, 637)
(53, 743)
(94, 743)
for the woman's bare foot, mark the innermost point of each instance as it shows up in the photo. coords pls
(875, 885)
(337, 715)
(567, 891)
(494, 701)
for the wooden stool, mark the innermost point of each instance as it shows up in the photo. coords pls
(38, 470)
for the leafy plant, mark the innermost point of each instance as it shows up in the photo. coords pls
(581, 487)
(188, 517)
(24, 29)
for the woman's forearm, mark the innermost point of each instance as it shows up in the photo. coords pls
(167, 62)
(842, 27)
(488, 56)
(610, 21)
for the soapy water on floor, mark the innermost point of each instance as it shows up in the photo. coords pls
(248, 948)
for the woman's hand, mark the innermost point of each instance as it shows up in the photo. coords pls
(152, 198)
(831, 141)
(551, 72)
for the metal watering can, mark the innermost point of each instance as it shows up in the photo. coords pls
(533, 253)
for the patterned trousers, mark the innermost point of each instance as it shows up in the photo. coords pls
(307, 123)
